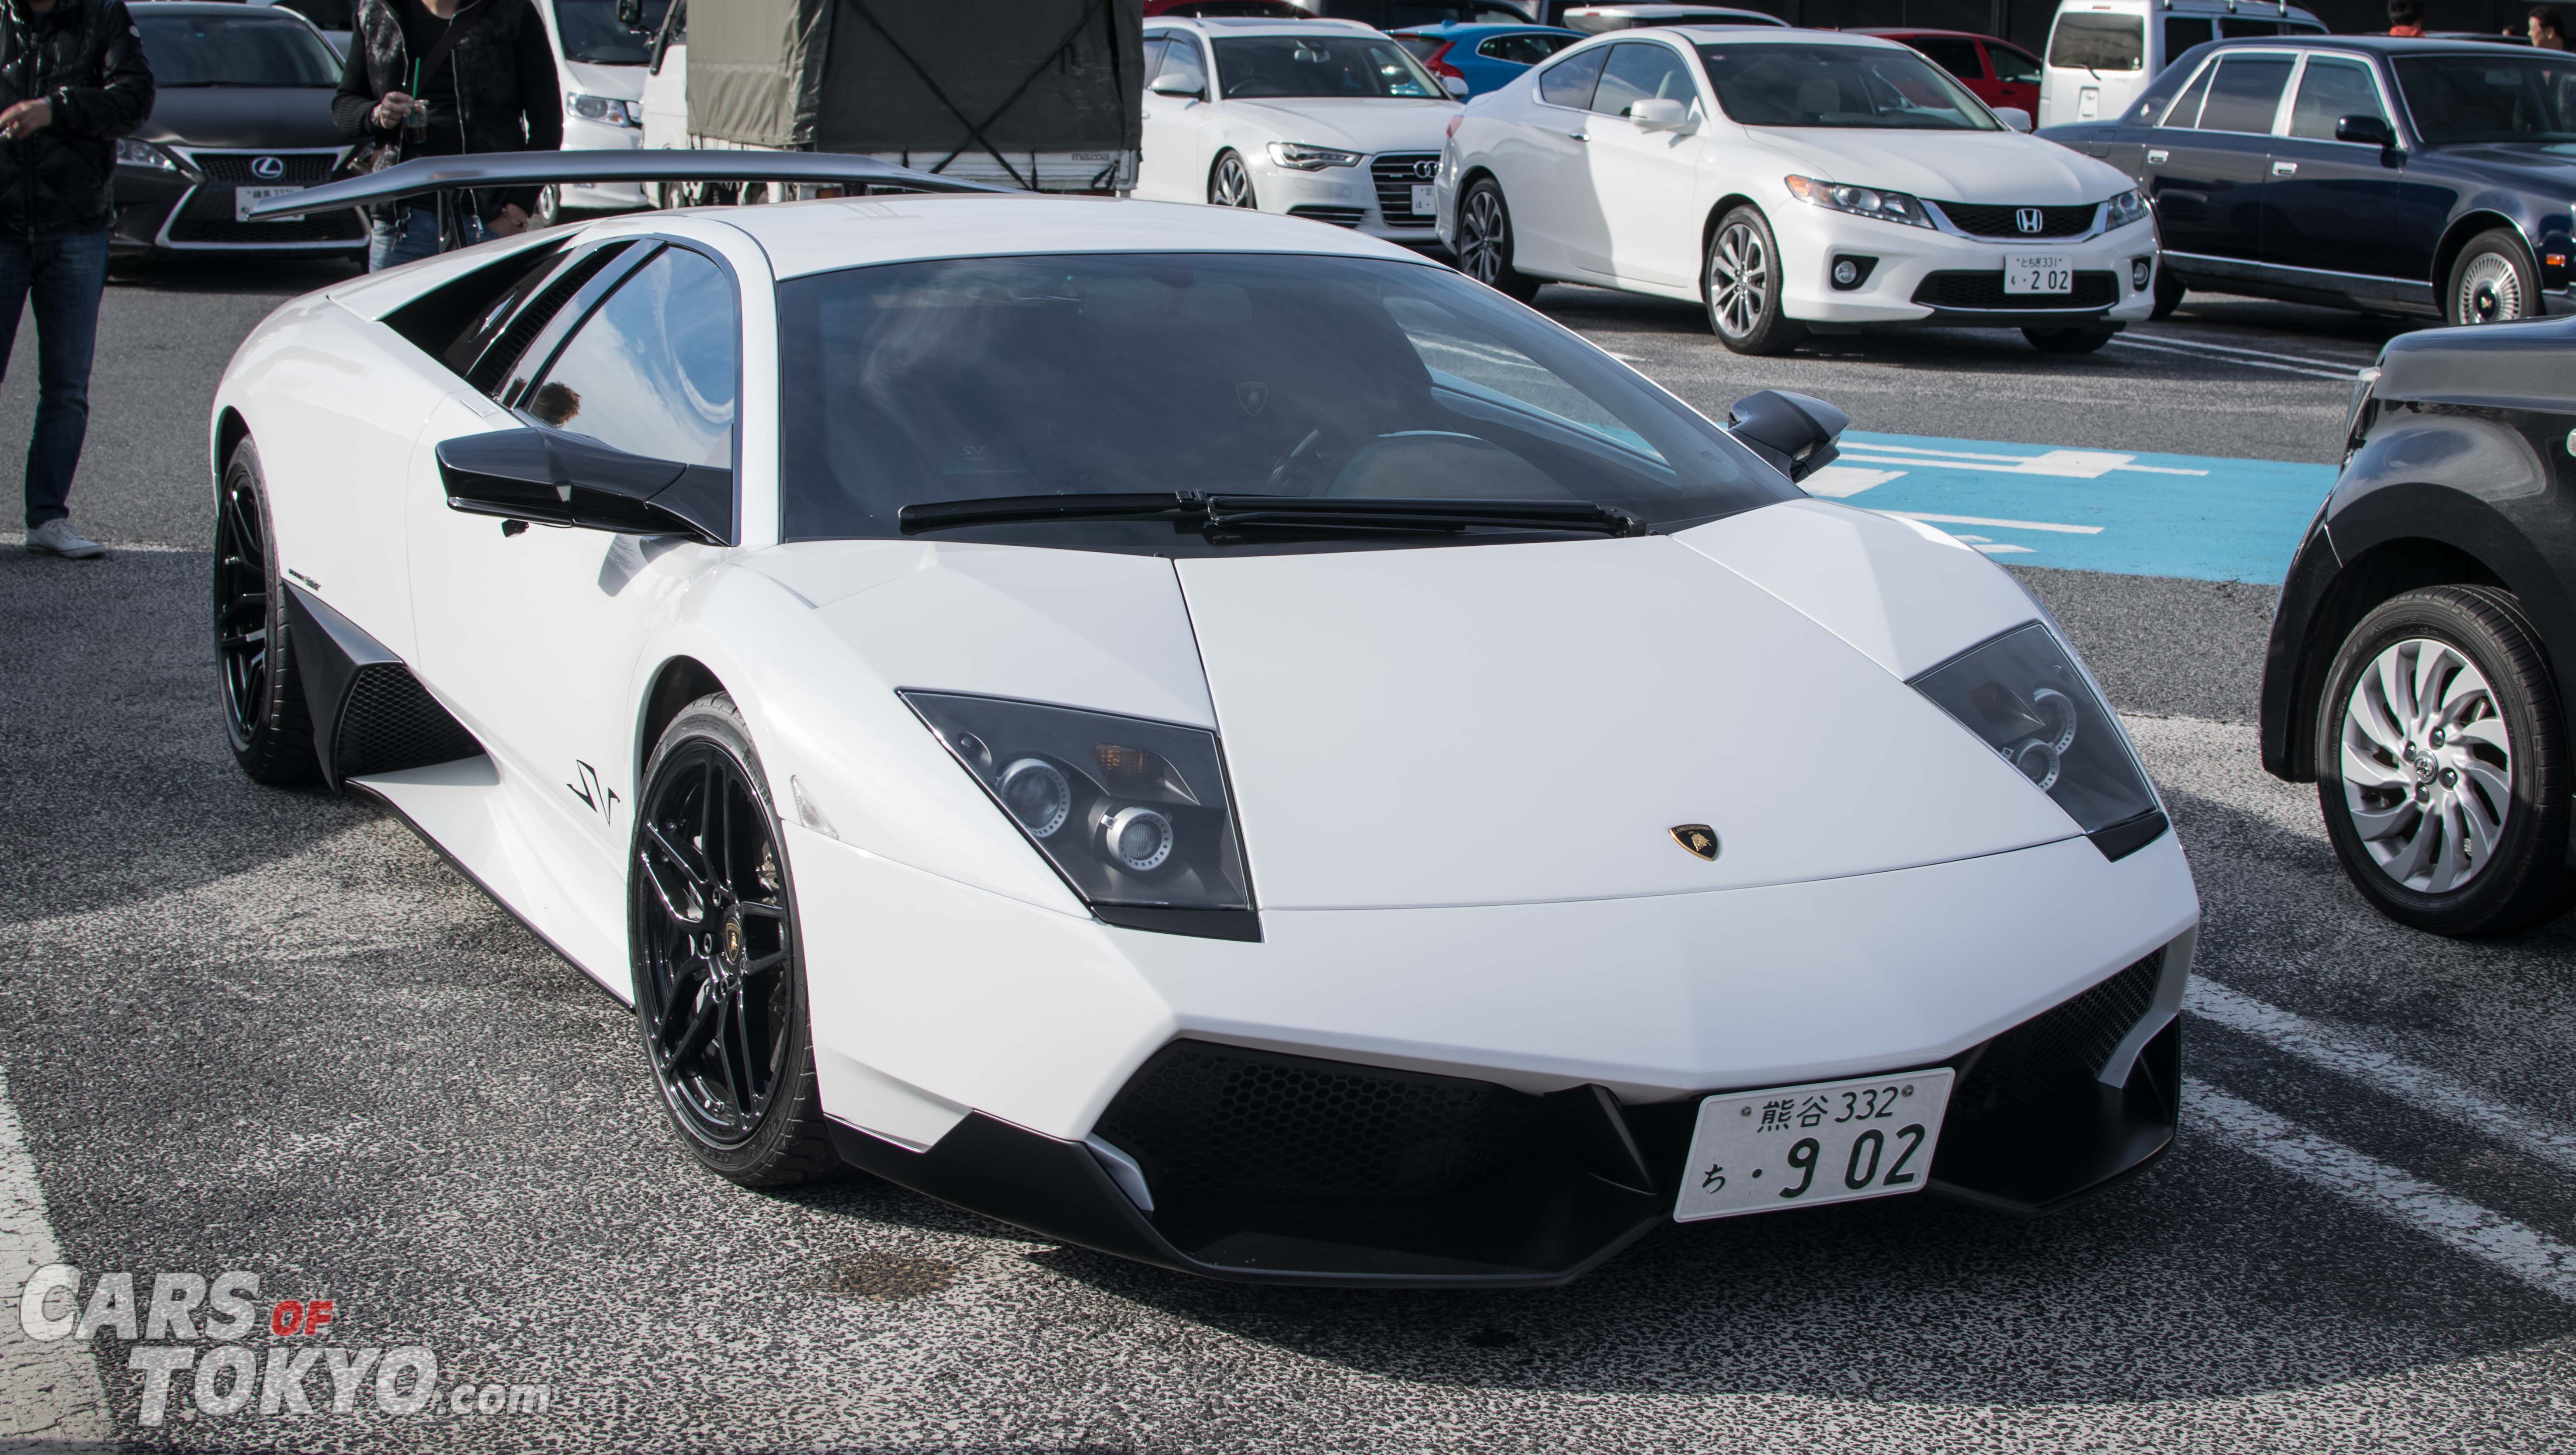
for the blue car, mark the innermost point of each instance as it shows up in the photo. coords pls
(1482, 57)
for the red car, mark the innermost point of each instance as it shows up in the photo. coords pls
(1999, 72)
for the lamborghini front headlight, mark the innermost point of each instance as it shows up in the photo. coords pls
(2023, 696)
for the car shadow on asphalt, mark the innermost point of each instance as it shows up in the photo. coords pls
(232, 273)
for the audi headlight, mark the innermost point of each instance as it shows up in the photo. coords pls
(1296, 156)
(2024, 696)
(2124, 209)
(1132, 813)
(607, 110)
(132, 153)
(1860, 201)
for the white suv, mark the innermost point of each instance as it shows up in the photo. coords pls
(1323, 119)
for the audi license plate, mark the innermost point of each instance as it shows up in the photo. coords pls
(1832, 1141)
(1422, 203)
(2038, 273)
(243, 197)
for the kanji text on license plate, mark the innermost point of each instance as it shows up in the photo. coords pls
(1830, 1141)
(2038, 273)
(1422, 203)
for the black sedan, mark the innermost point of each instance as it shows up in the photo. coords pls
(2394, 176)
(2424, 650)
(243, 113)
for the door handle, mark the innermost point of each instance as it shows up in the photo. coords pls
(2156, 157)
(2285, 169)
(1578, 136)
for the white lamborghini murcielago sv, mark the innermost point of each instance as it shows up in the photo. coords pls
(1198, 733)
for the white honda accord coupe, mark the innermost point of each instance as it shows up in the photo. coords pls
(1795, 182)
(1210, 738)
(1322, 119)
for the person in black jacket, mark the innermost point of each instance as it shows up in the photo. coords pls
(494, 90)
(72, 76)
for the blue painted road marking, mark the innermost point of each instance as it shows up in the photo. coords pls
(2089, 510)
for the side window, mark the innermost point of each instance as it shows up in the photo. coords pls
(2246, 94)
(652, 371)
(1570, 82)
(1181, 58)
(2186, 108)
(2019, 68)
(1641, 71)
(1957, 56)
(1153, 55)
(1522, 50)
(2330, 91)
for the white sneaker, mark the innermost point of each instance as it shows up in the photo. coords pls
(57, 538)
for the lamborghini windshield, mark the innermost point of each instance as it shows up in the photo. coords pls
(1267, 375)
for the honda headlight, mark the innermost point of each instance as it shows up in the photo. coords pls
(1132, 813)
(607, 110)
(1860, 201)
(2124, 209)
(2023, 695)
(1299, 157)
(132, 153)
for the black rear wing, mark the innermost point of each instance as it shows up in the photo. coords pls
(539, 169)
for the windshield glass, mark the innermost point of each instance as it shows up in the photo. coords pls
(1335, 378)
(1839, 85)
(2502, 98)
(235, 50)
(1320, 65)
(592, 33)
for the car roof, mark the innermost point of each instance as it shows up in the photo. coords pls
(1754, 34)
(2247, 10)
(1900, 32)
(1482, 27)
(825, 236)
(2386, 45)
(210, 7)
(1253, 25)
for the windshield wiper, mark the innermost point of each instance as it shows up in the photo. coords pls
(1278, 512)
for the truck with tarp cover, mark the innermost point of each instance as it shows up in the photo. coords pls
(1038, 94)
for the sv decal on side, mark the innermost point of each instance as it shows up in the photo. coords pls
(599, 800)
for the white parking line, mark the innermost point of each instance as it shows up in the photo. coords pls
(2178, 341)
(2423, 1089)
(48, 1391)
(2344, 376)
(2509, 1247)
(2071, 530)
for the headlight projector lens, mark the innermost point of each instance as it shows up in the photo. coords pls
(1037, 795)
(1138, 838)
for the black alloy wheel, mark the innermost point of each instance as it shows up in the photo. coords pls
(2442, 765)
(2492, 281)
(1230, 182)
(719, 981)
(265, 722)
(1485, 242)
(1741, 284)
(2067, 340)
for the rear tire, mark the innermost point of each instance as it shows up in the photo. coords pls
(2442, 765)
(1740, 282)
(265, 722)
(1485, 242)
(2492, 281)
(2066, 340)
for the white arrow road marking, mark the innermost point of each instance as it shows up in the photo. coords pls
(2509, 1247)
(49, 1391)
(2070, 530)
(1835, 482)
(2424, 1089)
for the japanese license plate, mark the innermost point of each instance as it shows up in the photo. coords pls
(1831, 1141)
(1422, 203)
(2038, 273)
(243, 197)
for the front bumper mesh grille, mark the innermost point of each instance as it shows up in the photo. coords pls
(1337, 216)
(2095, 288)
(2054, 1058)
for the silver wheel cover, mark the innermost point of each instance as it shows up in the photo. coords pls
(1739, 279)
(2427, 766)
(1233, 187)
(1482, 237)
(2491, 291)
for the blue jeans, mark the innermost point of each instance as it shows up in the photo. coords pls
(410, 237)
(64, 276)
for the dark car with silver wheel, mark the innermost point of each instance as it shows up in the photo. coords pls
(242, 114)
(2419, 667)
(2390, 175)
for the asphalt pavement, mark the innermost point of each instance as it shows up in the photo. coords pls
(270, 1032)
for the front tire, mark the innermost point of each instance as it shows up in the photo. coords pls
(718, 965)
(1230, 182)
(265, 721)
(2492, 281)
(1740, 281)
(2169, 291)
(2442, 766)
(1485, 242)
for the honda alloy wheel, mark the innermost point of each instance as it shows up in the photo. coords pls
(1742, 287)
(1485, 242)
(2442, 764)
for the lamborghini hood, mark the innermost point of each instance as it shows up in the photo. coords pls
(1533, 723)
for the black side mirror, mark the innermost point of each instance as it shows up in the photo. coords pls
(630, 13)
(2367, 130)
(554, 478)
(1793, 433)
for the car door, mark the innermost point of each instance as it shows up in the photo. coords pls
(541, 629)
(2329, 204)
(2206, 165)
(2016, 76)
(1173, 167)
(1539, 158)
(1645, 183)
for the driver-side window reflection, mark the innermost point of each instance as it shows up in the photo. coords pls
(652, 372)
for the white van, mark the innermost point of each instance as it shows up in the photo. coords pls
(2102, 53)
(601, 47)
